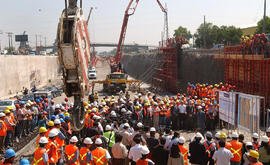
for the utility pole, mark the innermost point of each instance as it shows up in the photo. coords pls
(45, 41)
(204, 33)
(264, 16)
(10, 43)
(40, 41)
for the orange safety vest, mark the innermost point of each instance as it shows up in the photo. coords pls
(53, 155)
(207, 148)
(69, 128)
(2, 163)
(142, 162)
(184, 152)
(99, 156)
(236, 148)
(163, 112)
(47, 133)
(3, 131)
(59, 143)
(70, 153)
(9, 128)
(83, 155)
(38, 156)
(156, 112)
(256, 147)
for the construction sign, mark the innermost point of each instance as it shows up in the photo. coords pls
(227, 107)
(249, 112)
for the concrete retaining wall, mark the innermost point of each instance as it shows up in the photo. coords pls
(195, 66)
(20, 71)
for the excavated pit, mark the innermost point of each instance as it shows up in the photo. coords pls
(193, 66)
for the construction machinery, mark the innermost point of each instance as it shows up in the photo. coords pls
(116, 82)
(74, 57)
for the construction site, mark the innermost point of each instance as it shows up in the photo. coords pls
(186, 86)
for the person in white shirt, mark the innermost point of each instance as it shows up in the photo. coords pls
(182, 115)
(135, 151)
(168, 137)
(223, 155)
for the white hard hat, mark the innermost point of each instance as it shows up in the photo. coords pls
(140, 94)
(265, 139)
(2, 114)
(135, 97)
(98, 141)
(94, 110)
(98, 117)
(57, 106)
(182, 140)
(113, 114)
(249, 144)
(268, 129)
(54, 132)
(199, 107)
(140, 125)
(88, 141)
(43, 140)
(129, 112)
(108, 128)
(217, 135)
(57, 121)
(123, 110)
(74, 139)
(152, 129)
(234, 135)
(203, 104)
(145, 150)
(198, 135)
(255, 135)
(155, 103)
(126, 125)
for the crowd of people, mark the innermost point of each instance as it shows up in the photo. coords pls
(253, 44)
(145, 129)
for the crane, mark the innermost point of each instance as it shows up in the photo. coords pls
(130, 10)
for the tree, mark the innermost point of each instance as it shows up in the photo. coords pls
(228, 35)
(259, 29)
(182, 31)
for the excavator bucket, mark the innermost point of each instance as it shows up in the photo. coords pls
(74, 57)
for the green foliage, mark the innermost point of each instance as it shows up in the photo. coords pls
(182, 31)
(260, 26)
(217, 35)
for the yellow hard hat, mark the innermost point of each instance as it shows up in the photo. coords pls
(8, 108)
(145, 104)
(7, 111)
(253, 154)
(137, 107)
(112, 96)
(50, 123)
(85, 107)
(42, 130)
(66, 114)
(85, 103)
(89, 111)
(251, 36)
(223, 135)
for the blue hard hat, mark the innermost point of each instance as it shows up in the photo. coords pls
(61, 115)
(62, 120)
(10, 153)
(21, 102)
(24, 162)
(67, 117)
(37, 100)
(53, 117)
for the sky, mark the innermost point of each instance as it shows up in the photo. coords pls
(40, 17)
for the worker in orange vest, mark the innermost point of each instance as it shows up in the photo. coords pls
(42, 132)
(40, 155)
(100, 156)
(253, 157)
(183, 149)
(236, 149)
(85, 154)
(10, 123)
(3, 131)
(156, 112)
(255, 142)
(144, 160)
(209, 148)
(60, 140)
(50, 127)
(223, 137)
(51, 147)
(72, 152)
(9, 157)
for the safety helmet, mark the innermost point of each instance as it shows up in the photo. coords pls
(223, 135)
(53, 117)
(2, 114)
(140, 125)
(208, 134)
(53, 133)
(98, 141)
(108, 128)
(50, 123)
(126, 125)
(7, 111)
(74, 139)
(249, 144)
(88, 141)
(152, 129)
(145, 150)
(66, 114)
(268, 130)
(235, 135)
(62, 120)
(123, 110)
(57, 121)
(67, 117)
(24, 162)
(265, 139)
(182, 140)
(253, 154)
(42, 130)
(43, 140)
(10, 153)
(255, 136)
